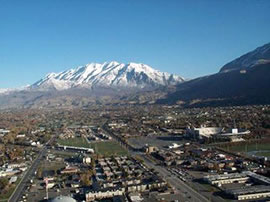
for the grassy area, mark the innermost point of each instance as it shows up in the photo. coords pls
(107, 148)
(257, 149)
(75, 142)
(266, 154)
(246, 147)
(52, 166)
(4, 197)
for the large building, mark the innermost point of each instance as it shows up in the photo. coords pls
(236, 177)
(250, 193)
(63, 199)
(259, 187)
(204, 132)
(215, 132)
(226, 178)
(92, 196)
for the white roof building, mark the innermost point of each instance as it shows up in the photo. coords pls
(63, 199)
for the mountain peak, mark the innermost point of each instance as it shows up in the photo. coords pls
(108, 74)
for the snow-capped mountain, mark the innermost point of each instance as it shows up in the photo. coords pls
(11, 90)
(3, 90)
(108, 74)
(260, 55)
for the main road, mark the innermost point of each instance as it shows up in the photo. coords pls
(179, 185)
(21, 187)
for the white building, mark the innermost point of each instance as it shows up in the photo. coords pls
(91, 196)
(208, 132)
(204, 132)
(87, 160)
(250, 193)
(227, 178)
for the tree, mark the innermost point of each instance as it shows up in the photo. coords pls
(85, 179)
(39, 172)
(3, 183)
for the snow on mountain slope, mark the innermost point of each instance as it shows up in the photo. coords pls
(10, 90)
(2, 90)
(113, 74)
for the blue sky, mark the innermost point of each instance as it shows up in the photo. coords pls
(189, 38)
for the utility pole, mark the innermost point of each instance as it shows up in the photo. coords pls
(46, 180)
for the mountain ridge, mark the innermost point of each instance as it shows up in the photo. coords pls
(260, 55)
(108, 74)
(243, 81)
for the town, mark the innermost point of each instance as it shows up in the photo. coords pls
(135, 101)
(135, 153)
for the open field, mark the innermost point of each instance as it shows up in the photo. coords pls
(257, 149)
(260, 153)
(4, 197)
(108, 148)
(104, 148)
(75, 142)
(246, 147)
(52, 166)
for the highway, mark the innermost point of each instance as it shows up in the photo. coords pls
(20, 189)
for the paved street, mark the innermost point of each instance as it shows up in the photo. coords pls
(179, 185)
(20, 189)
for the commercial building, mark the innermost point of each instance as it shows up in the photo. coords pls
(250, 193)
(63, 199)
(226, 178)
(91, 196)
(258, 178)
(79, 149)
(203, 132)
(215, 132)
(258, 188)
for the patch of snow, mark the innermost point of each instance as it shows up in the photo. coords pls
(108, 74)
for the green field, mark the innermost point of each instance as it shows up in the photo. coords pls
(4, 197)
(107, 148)
(259, 149)
(246, 147)
(75, 142)
(265, 154)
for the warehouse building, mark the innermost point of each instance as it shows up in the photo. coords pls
(250, 193)
(226, 178)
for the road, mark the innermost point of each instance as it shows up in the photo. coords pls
(20, 189)
(179, 185)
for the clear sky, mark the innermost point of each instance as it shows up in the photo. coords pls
(190, 38)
